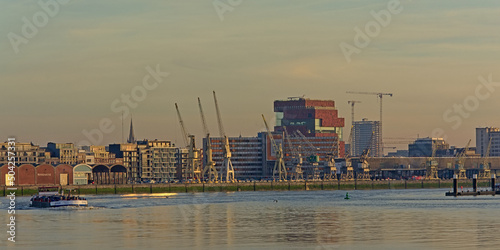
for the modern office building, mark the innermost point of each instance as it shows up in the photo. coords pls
(246, 155)
(423, 147)
(366, 134)
(483, 136)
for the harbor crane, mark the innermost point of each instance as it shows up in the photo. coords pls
(329, 168)
(279, 166)
(311, 156)
(193, 170)
(209, 169)
(432, 165)
(363, 171)
(296, 159)
(379, 95)
(227, 166)
(460, 163)
(349, 174)
(485, 172)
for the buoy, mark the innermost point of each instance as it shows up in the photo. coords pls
(346, 196)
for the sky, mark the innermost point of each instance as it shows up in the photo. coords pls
(65, 67)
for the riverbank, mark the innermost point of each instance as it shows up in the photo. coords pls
(248, 186)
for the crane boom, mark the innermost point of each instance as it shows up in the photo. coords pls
(279, 165)
(219, 119)
(273, 143)
(486, 156)
(203, 120)
(183, 128)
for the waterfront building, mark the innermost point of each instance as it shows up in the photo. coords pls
(366, 134)
(129, 153)
(316, 119)
(246, 155)
(423, 147)
(483, 136)
(25, 153)
(157, 160)
(66, 152)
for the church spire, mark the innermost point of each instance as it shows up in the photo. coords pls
(131, 137)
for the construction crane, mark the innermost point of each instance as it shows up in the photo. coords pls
(484, 172)
(460, 163)
(380, 95)
(227, 166)
(209, 169)
(352, 110)
(352, 118)
(349, 174)
(193, 171)
(296, 169)
(279, 166)
(432, 165)
(311, 156)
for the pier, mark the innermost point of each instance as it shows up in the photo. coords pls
(475, 190)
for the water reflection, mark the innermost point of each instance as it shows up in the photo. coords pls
(312, 220)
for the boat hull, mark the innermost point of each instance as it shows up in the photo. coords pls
(62, 203)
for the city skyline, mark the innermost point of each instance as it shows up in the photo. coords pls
(67, 77)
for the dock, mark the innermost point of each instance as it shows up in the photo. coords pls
(475, 191)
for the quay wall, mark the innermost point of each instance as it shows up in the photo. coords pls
(29, 190)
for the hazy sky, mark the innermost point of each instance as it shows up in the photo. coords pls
(86, 54)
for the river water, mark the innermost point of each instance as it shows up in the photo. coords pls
(372, 219)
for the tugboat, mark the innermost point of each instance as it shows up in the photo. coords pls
(50, 197)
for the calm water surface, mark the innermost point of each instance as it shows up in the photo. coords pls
(374, 219)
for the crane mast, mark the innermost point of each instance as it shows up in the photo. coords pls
(485, 172)
(363, 172)
(432, 165)
(296, 172)
(227, 166)
(349, 174)
(279, 166)
(192, 171)
(460, 163)
(209, 170)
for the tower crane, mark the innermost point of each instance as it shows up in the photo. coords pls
(193, 171)
(380, 95)
(485, 166)
(311, 156)
(209, 169)
(352, 118)
(296, 172)
(460, 163)
(279, 166)
(227, 166)
(432, 165)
